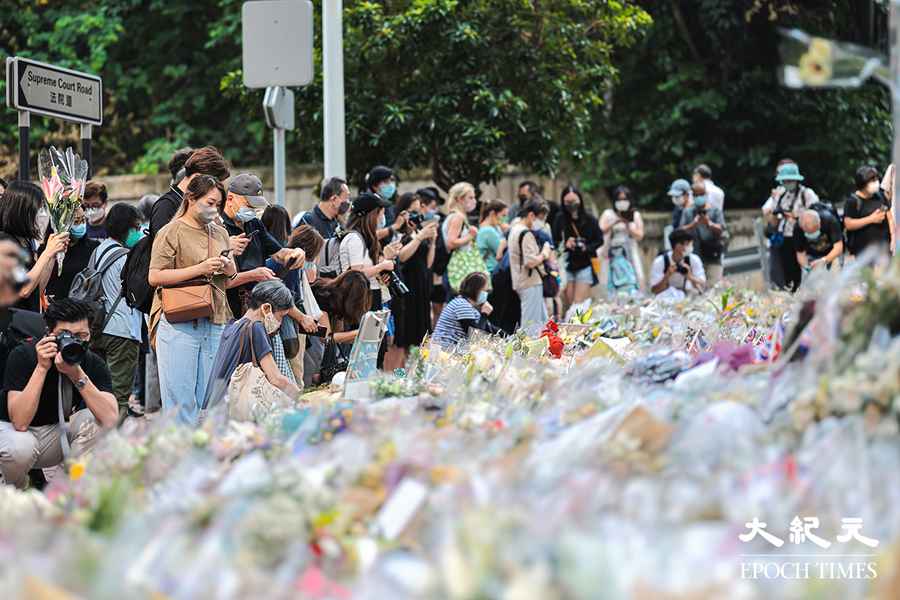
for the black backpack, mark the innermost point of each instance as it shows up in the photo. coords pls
(87, 285)
(136, 288)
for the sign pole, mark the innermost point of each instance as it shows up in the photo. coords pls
(86, 133)
(895, 105)
(24, 150)
(333, 83)
(279, 165)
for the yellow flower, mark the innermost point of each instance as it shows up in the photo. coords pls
(751, 312)
(655, 332)
(424, 353)
(816, 64)
(76, 471)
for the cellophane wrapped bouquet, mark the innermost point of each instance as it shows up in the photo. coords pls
(63, 176)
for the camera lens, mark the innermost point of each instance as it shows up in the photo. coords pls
(71, 348)
(396, 286)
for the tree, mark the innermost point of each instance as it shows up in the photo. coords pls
(702, 87)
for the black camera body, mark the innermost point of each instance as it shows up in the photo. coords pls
(71, 348)
(581, 244)
(396, 286)
(416, 218)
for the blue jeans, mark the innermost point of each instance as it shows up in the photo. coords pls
(185, 352)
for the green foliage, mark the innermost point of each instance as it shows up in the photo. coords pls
(702, 88)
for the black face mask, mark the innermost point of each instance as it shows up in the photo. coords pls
(344, 207)
(523, 199)
(572, 208)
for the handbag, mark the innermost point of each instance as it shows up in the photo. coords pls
(463, 263)
(189, 300)
(250, 395)
(334, 361)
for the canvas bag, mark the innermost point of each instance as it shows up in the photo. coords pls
(464, 262)
(189, 300)
(250, 395)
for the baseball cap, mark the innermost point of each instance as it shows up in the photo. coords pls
(679, 187)
(367, 202)
(378, 174)
(250, 187)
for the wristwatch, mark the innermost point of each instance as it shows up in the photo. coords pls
(80, 383)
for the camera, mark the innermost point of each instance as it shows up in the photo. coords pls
(682, 267)
(71, 348)
(580, 244)
(701, 212)
(416, 218)
(396, 286)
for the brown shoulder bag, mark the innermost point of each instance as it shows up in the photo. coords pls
(191, 299)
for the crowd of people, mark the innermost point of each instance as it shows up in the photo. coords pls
(210, 281)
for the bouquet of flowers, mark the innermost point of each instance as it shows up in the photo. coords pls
(62, 178)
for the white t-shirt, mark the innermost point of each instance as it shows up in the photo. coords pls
(354, 253)
(715, 195)
(791, 202)
(678, 283)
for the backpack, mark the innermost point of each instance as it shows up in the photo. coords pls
(88, 286)
(331, 259)
(826, 210)
(136, 288)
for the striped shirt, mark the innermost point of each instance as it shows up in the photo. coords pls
(449, 329)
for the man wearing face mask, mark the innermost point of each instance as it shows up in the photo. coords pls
(818, 239)
(679, 272)
(868, 217)
(780, 211)
(682, 198)
(706, 225)
(243, 206)
(381, 181)
(94, 202)
(335, 201)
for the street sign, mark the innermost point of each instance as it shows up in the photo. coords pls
(277, 38)
(53, 91)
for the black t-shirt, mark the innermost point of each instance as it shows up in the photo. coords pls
(831, 234)
(262, 245)
(77, 257)
(876, 233)
(164, 210)
(21, 364)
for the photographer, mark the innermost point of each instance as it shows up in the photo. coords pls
(675, 274)
(781, 211)
(707, 226)
(412, 311)
(867, 214)
(30, 427)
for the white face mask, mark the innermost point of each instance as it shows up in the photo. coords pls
(678, 201)
(94, 215)
(689, 249)
(873, 188)
(271, 323)
(622, 205)
(538, 224)
(206, 213)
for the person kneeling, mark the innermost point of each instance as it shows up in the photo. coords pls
(247, 340)
(468, 310)
(31, 430)
(678, 273)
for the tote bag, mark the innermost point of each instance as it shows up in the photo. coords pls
(250, 395)
(463, 263)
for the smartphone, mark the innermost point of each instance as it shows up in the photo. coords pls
(321, 332)
(225, 253)
(253, 233)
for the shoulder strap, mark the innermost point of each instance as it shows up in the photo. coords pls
(99, 259)
(119, 253)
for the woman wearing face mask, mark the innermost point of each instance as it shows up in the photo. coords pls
(868, 217)
(24, 216)
(458, 235)
(270, 302)
(780, 212)
(469, 309)
(412, 312)
(622, 228)
(580, 233)
(77, 255)
(190, 247)
(491, 238)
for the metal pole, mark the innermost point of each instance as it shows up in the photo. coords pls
(895, 104)
(86, 131)
(279, 165)
(24, 150)
(333, 83)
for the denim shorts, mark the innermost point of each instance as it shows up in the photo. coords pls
(585, 275)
